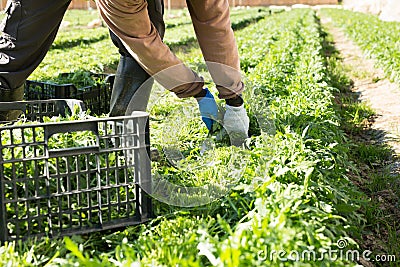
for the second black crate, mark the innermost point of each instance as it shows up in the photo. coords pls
(96, 96)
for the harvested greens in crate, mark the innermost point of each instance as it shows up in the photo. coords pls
(94, 89)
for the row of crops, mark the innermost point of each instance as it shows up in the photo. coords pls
(291, 189)
(293, 193)
(378, 39)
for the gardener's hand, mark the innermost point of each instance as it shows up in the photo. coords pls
(208, 108)
(236, 123)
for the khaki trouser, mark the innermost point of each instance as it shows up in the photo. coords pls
(129, 20)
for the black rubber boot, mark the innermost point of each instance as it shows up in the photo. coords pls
(129, 78)
(7, 95)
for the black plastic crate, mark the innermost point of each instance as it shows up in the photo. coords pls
(52, 191)
(96, 97)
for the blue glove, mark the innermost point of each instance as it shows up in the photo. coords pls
(208, 109)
